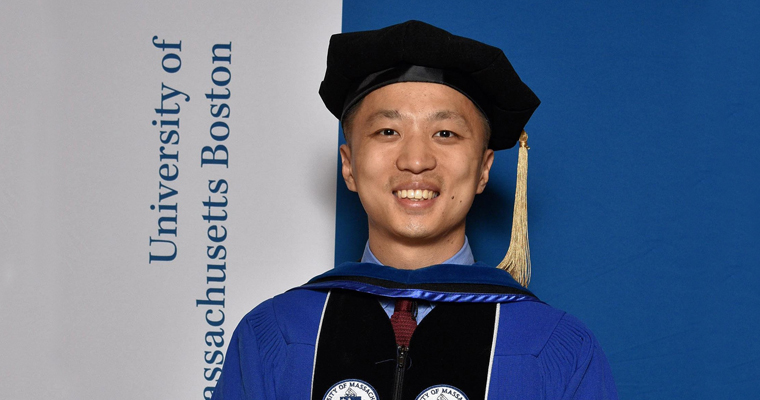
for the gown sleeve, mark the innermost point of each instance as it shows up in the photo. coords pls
(573, 364)
(255, 343)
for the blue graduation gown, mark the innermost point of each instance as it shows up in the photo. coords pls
(538, 351)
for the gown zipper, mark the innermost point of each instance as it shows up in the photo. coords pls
(398, 384)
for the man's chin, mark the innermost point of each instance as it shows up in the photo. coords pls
(417, 229)
(420, 233)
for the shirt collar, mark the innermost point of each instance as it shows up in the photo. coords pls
(462, 257)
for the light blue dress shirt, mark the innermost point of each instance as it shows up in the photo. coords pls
(462, 257)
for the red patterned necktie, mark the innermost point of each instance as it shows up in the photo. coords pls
(403, 321)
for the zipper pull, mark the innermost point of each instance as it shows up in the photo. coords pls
(401, 357)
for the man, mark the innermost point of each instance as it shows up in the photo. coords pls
(417, 319)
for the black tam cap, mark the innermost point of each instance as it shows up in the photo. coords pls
(360, 62)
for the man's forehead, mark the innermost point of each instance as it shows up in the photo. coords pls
(418, 100)
(432, 116)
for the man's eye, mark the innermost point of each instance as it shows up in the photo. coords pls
(387, 132)
(445, 134)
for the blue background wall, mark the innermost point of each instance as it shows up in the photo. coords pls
(643, 183)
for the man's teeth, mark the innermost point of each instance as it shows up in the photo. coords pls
(416, 194)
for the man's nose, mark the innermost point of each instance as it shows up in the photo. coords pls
(417, 155)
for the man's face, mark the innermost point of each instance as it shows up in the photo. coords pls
(416, 155)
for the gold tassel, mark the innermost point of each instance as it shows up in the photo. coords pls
(517, 260)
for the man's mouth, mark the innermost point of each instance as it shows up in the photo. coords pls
(416, 194)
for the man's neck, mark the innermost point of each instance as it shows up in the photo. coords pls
(406, 255)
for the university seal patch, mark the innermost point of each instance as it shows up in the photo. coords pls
(351, 389)
(442, 392)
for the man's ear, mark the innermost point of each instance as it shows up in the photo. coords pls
(485, 169)
(346, 169)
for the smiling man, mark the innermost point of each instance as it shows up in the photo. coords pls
(416, 154)
(417, 318)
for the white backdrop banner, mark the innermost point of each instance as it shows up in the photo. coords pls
(166, 166)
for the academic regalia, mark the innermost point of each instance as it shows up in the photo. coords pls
(487, 337)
